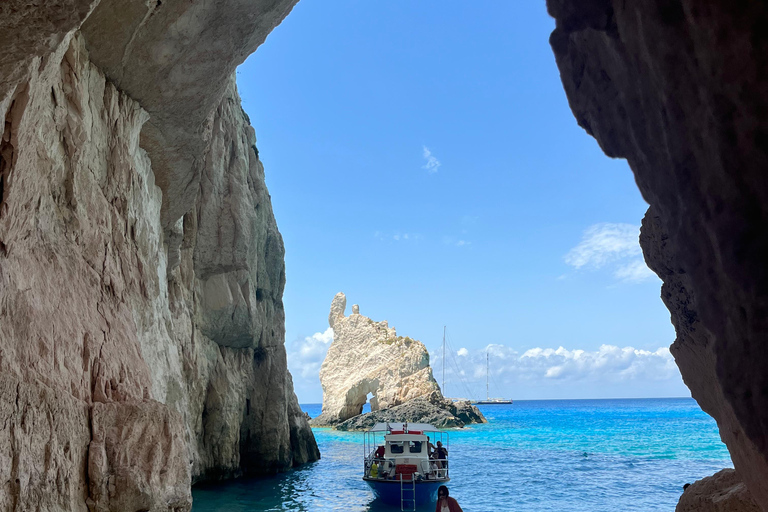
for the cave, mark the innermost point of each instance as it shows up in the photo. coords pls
(675, 87)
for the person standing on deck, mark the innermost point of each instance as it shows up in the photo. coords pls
(441, 455)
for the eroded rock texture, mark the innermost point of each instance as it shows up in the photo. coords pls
(369, 357)
(722, 492)
(433, 409)
(678, 88)
(139, 350)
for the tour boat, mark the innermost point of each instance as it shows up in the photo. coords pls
(397, 463)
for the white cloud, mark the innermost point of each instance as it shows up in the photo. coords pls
(306, 355)
(609, 245)
(397, 236)
(432, 164)
(603, 243)
(633, 272)
(609, 371)
(540, 372)
(609, 362)
(452, 240)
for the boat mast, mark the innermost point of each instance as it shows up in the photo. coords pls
(487, 364)
(443, 361)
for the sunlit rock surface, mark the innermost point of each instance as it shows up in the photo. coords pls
(722, 492)
(139, 350)
(368, 357)
(678, 88)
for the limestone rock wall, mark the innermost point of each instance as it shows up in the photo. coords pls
(722, 492)
(678, 89)
(368, 357)
(137, 354)
(173, 57)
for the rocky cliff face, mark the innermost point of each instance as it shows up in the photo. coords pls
(722, 492)
(141, 326)
(369, 357)
(678, 89)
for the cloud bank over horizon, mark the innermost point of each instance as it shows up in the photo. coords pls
(609, 371)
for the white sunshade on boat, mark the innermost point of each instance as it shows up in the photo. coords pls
(385, 427)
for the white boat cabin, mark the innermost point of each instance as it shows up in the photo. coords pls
(406, 452)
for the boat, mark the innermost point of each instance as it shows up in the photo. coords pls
(488, 400)
(397, 463)
(493, 401)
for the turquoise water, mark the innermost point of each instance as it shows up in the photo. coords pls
(554, 455)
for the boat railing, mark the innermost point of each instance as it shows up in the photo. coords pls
(386, 469)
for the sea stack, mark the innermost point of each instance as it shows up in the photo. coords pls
(368, 357)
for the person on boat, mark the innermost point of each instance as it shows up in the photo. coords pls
(379, 454)
(441, 454)
(445, 503)
(374, 470)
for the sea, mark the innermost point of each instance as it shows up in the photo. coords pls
(538, 455)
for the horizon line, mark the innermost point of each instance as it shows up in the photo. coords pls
(564, 399)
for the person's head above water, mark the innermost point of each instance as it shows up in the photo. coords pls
(442, 492)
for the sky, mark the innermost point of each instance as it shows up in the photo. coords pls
(421, 158)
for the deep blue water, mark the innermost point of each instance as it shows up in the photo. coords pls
(553, 455)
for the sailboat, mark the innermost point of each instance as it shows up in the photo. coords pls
(488, 400)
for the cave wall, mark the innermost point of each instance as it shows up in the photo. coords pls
(141, 315)
(678, 88)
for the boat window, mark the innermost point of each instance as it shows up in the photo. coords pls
(415, 446)
(396, 448)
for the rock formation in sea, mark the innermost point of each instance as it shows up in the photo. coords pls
(368, 357)
(141, 269)
(433, 409)
(678, 88)
(722, 492)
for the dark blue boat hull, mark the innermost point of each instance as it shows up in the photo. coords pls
(388, 491)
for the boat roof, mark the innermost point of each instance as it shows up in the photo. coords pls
(386, 427)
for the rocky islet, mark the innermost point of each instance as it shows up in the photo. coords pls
(368, 357)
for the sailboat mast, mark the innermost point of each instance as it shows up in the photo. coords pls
(487, 365)
(443, 386)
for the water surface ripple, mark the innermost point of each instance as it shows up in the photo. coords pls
(554, 455)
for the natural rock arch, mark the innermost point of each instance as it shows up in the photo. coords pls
(369, 357)
(357, 397)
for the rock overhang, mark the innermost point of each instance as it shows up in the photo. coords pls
(677, 88)
(175, 58)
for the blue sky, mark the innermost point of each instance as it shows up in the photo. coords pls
(422, 158)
